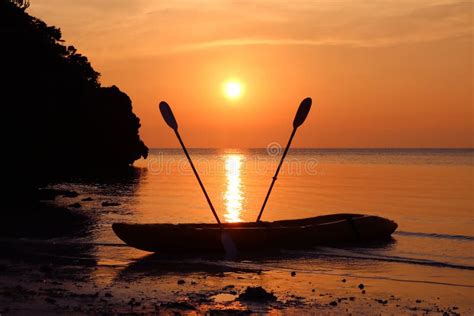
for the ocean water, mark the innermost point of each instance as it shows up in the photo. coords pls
(428, 192)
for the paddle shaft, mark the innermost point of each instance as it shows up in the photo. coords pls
(197, 176)
(276, 174)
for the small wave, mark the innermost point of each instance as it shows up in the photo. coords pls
(61, 242)
(340, 253)
(105, 244)
(319, 252)
(434, 235)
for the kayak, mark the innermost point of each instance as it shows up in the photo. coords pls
(252, 236)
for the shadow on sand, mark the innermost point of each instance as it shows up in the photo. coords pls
(249, 262)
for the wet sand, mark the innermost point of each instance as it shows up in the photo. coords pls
(39, 278)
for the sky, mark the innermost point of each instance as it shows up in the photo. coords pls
(381, 73)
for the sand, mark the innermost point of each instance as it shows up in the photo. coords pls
(68, 280)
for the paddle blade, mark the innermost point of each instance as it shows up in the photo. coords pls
(302, 112)
(168, 116)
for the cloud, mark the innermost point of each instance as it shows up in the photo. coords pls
(137, 28)
(366, 27)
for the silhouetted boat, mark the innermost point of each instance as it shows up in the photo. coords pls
(298, 233)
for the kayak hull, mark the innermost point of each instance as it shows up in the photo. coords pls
(251, 236)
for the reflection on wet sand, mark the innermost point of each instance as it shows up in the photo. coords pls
(169, 264)
(234, 194)
(330, 260)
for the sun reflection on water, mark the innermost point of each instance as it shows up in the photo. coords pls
(233, 196)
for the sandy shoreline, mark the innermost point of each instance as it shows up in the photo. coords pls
(74, 282)
(78, 275)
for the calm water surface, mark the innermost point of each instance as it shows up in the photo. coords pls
(429, 193)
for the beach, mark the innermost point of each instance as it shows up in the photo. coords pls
(42, 282)
(237, 158)
(427, 266)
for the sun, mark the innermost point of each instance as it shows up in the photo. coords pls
(233, 89)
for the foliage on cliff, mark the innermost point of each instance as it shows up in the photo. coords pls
(56, 115)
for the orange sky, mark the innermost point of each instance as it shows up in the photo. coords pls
(381, 73)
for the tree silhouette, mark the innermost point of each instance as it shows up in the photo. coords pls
(22, 4)
(56, 117)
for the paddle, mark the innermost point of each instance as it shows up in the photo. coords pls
(300, 117)
(169, 118)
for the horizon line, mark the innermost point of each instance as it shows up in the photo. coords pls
(324, 148)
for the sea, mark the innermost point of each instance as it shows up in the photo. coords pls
(428, 192)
